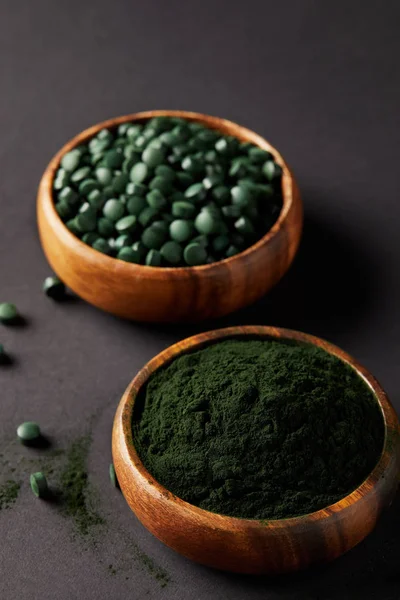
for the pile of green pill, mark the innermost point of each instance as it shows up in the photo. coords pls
(168, 192)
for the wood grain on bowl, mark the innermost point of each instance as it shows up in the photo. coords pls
(169, 294)
(244, 545)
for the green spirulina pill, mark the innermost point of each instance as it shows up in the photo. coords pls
(103, 175)
(136, 189)
(183, 209)
(114, 158)
(39, 485)
(126, 224)
(231, 251)
(135, 205)
(105, 227)
(68, 195)
(165, 171)
(171, 252)
(196, 192)
(71, 225)
(156, 199)
(180, 230)
(123, 240)
(101, 245)
(64, 211)
(206, 223)
(96, 198)
(153, 238)
(241, 195)
(28, 432)
(147, 215)
(221, 194)
(113, 209)
(70, 161)
(231, 211)
(88, 185)
(61, 180)
(194, 254)
(86, 221)
(201, 239)
(153, 258)
(161, 183)
(90, 237)
(184, 179)
(54, 288)
(258, 155)
(220, 243)
(244, 226)
(8, 312)
(80, 174)
(119, 183)
(139, 172)
(153, 157)
(271, 170)
(128, 254)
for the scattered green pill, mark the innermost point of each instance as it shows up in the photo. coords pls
(113, 476)
(8, 312)
(54, 288)
(39, 485)
(28, 432)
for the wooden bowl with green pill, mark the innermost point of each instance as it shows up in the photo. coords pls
(251, 545)
(171, 294)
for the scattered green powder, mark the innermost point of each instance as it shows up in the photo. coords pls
(75, 488)
(9, 491)
(258, 429)
(157, 572)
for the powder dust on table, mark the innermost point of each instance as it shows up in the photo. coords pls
(258, 429)
(9, 491)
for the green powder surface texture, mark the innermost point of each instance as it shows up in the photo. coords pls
(258, 429)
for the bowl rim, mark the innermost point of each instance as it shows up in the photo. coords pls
(193, 343)
(45, 192)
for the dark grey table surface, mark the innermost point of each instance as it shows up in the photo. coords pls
(321, 80)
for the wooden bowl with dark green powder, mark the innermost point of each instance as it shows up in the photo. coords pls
(257, 449)
(194, 237)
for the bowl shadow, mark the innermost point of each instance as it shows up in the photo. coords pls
(330, 287)
(370, 570)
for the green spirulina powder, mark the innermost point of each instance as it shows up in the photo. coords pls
(258, 429)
